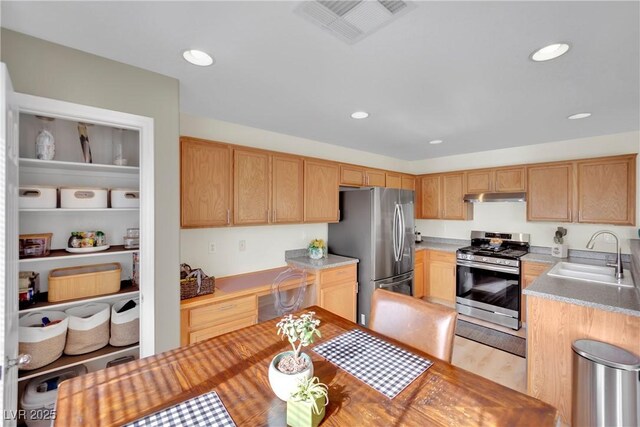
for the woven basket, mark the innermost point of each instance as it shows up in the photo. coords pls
(194, 283)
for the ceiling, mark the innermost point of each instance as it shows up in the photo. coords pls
(456, 71)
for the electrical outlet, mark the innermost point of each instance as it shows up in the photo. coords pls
(242, 245)
(212, 247)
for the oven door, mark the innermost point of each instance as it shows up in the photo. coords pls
(494, 288)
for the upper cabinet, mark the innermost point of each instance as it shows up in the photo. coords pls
(549, 195)
(606, 190)
(375, 178)
(441, 197)
(205, 183)
(499, 180)
(321, 188)
(408, 183)
(429, 197)
(393, 180)
(352, 176)
(287, 189)
(251, 187)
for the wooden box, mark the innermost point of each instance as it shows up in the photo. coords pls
(84, 281)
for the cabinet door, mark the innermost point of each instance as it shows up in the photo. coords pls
(430, 197)
(510, 180)
(408, 183)
(320, 191)
(287, 189)
(375, 178)
(205, 183)
(352, 176)
(480, 181)
(453, 205)
(530, 272)
(419, 276)
(250, 187)
(340, 299)
(393, 180)
(549, 195)
(606, 191)
(442, 281)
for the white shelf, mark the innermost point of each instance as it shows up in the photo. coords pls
(55, 164)
(61, 210)
(114, 250)
(129, 292)
(69, 361)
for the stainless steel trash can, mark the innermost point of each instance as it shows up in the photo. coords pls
(606, 385)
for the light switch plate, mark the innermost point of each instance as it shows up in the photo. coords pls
(212, 247)
(242, 246)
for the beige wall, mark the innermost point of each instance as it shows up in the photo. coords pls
(512, 216)
(45, 69)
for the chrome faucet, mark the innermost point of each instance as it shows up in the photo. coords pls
(618, 265)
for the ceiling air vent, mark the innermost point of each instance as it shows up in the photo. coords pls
(351, 21)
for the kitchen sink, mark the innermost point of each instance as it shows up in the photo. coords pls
(590, 273)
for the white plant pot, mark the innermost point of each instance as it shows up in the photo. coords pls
(283, 385)
(316, 253)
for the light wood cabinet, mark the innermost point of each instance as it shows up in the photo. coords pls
(287, 189)
(352, 176)
(419, 274)
(337, 291)
(453, 205)
(375, 178)
(549, 195)
(480, 181)
(530, 272)
(442, 276)
(205, 183)
(430, 197)
(408, 182)
(510, 180)
(606, 190)
(393, 180)
(251, 189)
(321, 191)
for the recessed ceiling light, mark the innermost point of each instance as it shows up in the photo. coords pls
(436, 141)
(360, 115)
(550, 52)
(579, 116)
(197, 57)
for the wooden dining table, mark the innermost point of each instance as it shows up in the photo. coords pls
(235, 365)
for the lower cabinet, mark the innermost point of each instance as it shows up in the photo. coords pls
(337, 291)
(208, 317)
(530, 272)
(441, 276)
(419, 274)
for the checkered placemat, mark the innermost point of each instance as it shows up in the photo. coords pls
(383, 366)
(204, 410)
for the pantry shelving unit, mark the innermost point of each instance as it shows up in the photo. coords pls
(68, 170)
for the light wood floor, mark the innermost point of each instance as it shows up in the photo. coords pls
(498, 366)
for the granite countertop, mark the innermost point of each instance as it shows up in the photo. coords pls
(604, 297)
(437, 246)
(331, 261)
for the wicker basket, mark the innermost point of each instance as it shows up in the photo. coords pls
(194, 283)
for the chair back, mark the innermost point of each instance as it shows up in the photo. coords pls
(420, 324)
(288, 291)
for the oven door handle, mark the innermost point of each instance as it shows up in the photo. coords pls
(492, 267)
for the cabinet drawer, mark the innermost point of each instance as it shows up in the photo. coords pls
(442, 256)
(214, 331)
(223, 311)
(534, 268)
(336, 275)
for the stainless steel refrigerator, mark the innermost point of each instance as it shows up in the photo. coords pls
(377, 227)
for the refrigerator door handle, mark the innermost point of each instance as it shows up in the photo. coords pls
(402, 232)
(395, 233)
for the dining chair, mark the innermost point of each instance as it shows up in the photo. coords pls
(288, 290)
(424, 325)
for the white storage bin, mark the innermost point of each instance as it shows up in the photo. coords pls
(88, 328)
(125, 327)
(125, 198)
(83, 198)
(44, 343)
(40, 395)
(37, 197)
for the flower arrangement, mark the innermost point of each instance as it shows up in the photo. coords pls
(300, 331)
(317, 248)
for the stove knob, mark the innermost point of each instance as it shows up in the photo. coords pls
(499, 261)
(484, 259)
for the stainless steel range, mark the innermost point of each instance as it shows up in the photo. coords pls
(488, 279)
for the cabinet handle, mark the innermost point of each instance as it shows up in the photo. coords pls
(228, 216)
(274, 215)
(367, 177)
(226, 307)
(570, 215)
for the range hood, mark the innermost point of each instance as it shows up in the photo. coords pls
(495, 197)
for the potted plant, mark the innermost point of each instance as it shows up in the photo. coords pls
(317, 249)
(306, 407)
(288, 368)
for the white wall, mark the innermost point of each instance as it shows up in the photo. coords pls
(265, 245)
(511, 217)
